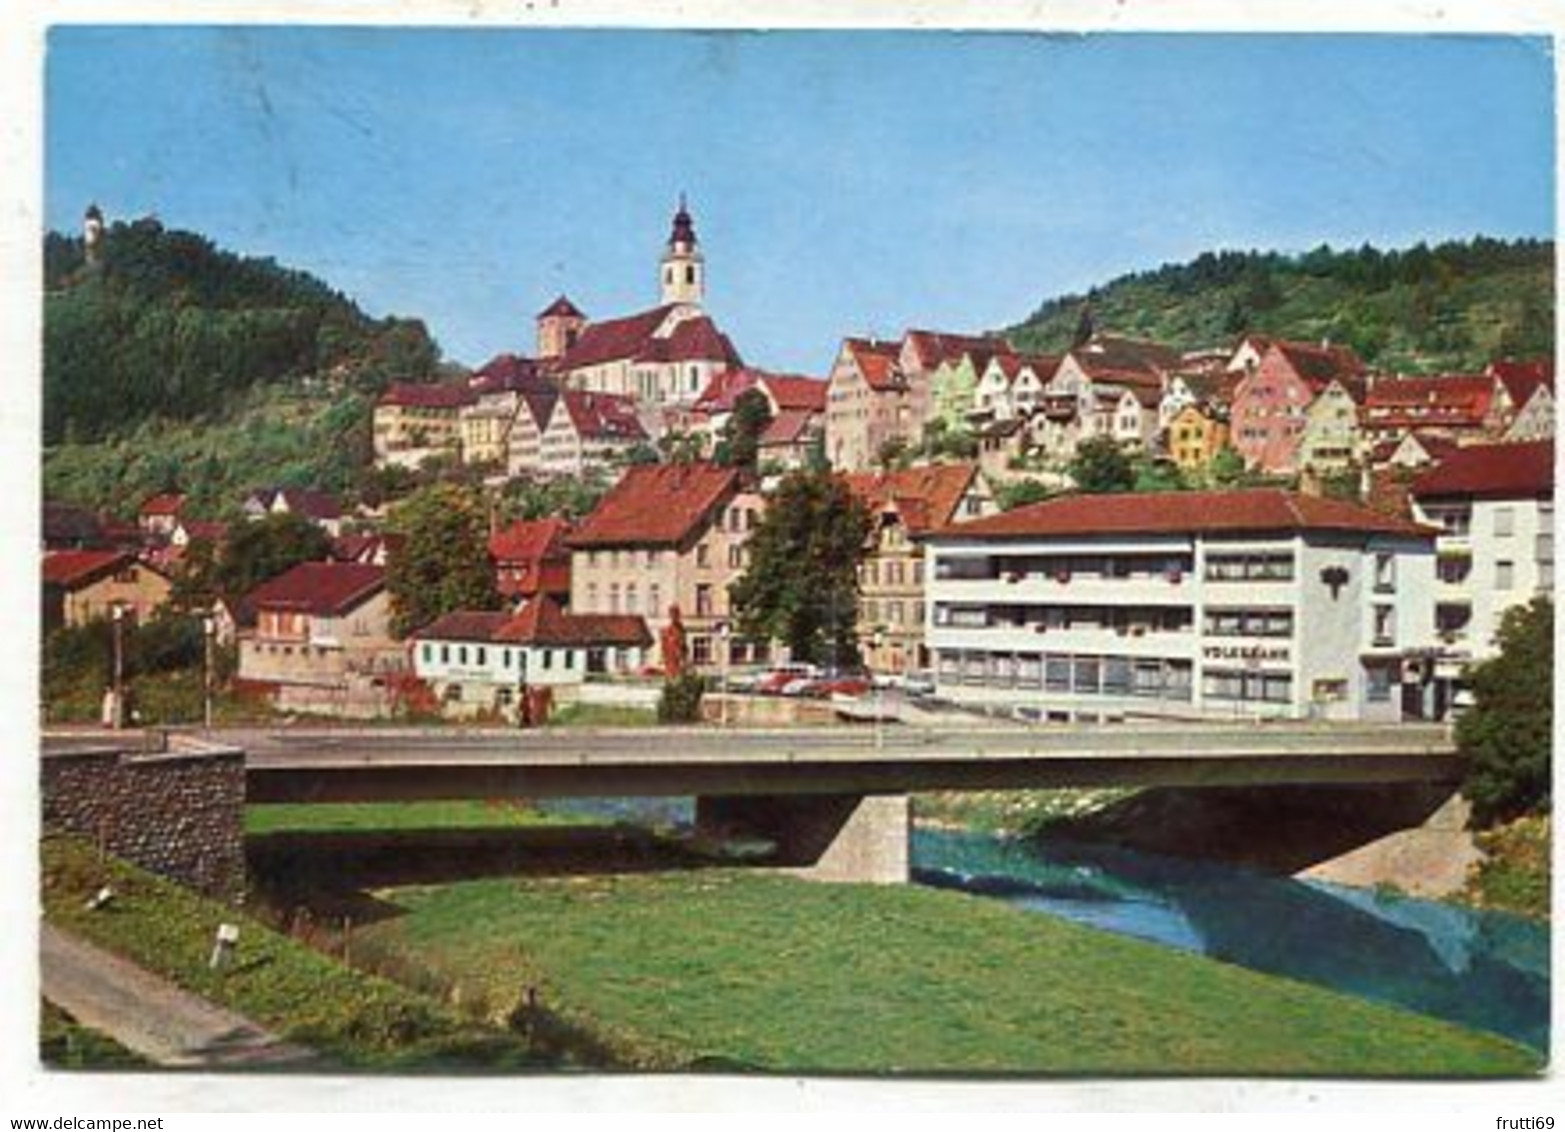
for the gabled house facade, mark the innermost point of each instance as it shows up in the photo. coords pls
(1271, 402)
(905, 506)
(665, 536)
(413, 423)
(588, 431)
(85, 585)
(322, 640)
(531, 559)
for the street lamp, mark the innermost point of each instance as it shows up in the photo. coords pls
(117, 717)
(209, 630)
(723, 658)
(880, 726)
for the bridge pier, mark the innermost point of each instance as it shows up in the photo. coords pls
(839, 838)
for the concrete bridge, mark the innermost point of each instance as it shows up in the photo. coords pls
(833, 800)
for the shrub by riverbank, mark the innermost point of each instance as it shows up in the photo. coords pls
(710, 968)
(1515, 875)
(353, 1019)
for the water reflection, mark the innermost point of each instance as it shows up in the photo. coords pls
(1481, 969)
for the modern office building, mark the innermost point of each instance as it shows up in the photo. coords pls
(1259, 603)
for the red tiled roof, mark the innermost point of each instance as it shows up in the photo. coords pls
(931, 347)
(1109, 353)
(1320, 365)
(1182, 512)
(787, 391)
(530, 540)
(877, 362)
(1495, 471)
(505, 372)
(1522, 378)
(213, 532)
(310, 502)
(793, 391)
(463, 625)
(72, 568)
(937, 488)
(167, 504)
(1412, 402)
(614, 339)
(788, 427)
(410, 396)
(692, 340)
(320, 588)
(602, 416)
(542, 622)
(64, 523)
(358, 547)
(656, 505)
(561, 308)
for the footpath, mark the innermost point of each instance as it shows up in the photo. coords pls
(150, 1015)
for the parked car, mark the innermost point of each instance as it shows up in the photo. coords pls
(773, 681)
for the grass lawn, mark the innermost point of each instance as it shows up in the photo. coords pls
(354, 1019)
(348, 817)
(724, 968)
(602, 715)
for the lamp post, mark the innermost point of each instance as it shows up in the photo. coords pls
(209, 631)
(723, 657)
(880, 726)
(118, 716)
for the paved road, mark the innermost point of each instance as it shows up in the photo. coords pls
(151, 1015)
(393, 746)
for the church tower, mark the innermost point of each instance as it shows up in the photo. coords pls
(683, 267)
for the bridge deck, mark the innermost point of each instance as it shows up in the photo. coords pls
(386, 763)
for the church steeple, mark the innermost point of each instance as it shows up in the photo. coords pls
(683, 268)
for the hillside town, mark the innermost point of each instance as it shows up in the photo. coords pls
(1345, 543)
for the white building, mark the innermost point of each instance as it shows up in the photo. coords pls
(1184, 604)
(1494, 506)
(481, 661)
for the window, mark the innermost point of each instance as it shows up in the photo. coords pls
(1453, 569)
(701, 650)
(1504, 522)
(1385, 624)
(1385, 572)
(632, 599)
(461, 654)
(1504, 575)
(445, 654)
(1378, 680)
(592, 597)
(735, 557)
(505, 658)
(1249, 567)
(703, 601)
(548, 659)
(703, 555)
(483, 655)
(655, 599)
(428, 653)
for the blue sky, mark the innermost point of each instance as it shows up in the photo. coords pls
(842, 183)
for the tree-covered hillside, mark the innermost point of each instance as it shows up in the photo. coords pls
(168, 326)
(1452, 307)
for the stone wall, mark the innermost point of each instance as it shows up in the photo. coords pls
(177, 812)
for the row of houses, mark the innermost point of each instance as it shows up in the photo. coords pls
(1262, 602)
(1285, 407)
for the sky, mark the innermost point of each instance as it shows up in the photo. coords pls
(841, 182)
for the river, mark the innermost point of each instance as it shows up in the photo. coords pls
(1485, 970)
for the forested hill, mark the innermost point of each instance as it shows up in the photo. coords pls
(1451, 307)
(168, 325)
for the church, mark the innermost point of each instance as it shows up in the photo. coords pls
(663, 357)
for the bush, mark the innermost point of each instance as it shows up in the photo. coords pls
(681, 699)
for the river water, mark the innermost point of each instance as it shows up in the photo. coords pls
(1484, 970)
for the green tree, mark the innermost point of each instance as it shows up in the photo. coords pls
(1019, 493)
(1226, 469)
(740, 446)
(257, 551)
(1506, 734)
(802, 584)
(1100, 465)
(1158, 475)
(443, 563)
